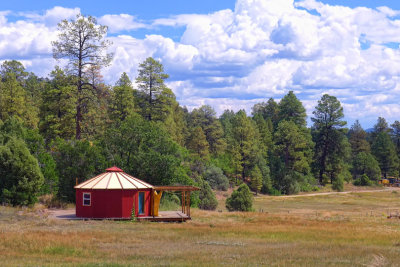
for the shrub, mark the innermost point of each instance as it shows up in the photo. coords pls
(338, 183)
(240, 200)
(363, 181)
(216, 178)
(208, 201)
(20, 175)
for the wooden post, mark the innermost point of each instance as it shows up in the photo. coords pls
(76, 181)
(188, 204)
(152, 202)
(183, 201)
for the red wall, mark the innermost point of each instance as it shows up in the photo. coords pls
(111, 203)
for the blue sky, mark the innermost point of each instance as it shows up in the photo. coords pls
(233, 54)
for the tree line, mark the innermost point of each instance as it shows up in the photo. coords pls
(72, 125)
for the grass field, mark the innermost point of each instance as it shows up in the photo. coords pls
(331, 230)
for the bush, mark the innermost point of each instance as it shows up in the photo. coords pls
(363, 181)
(208, 201)
(20, 175)
(338, 183)
(170, 201)
(240, 200)
(216, 178)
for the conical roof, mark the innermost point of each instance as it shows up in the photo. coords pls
(114, 178)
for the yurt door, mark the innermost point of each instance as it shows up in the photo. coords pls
(141, 202)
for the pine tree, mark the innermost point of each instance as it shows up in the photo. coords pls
(122, 101)
(82, 42)
(205, 117)
(57, 111)
(256, 179)
(154, 97)
(245, 146)
(328, 134)
(358, 139)
(384, 151)
(197, 142)
(291, 109)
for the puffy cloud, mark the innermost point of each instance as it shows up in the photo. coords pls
(121, 22)
(52, 16)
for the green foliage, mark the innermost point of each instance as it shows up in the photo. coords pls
(76, 160)
(294, 146)
(269, 111)
(20, 175)
(153, 98)
(82, 42)
(224, 162)
(197, 143)
(216, 178)
(145, 150)
(14, 101)
(329, 138)
(205, 118)
(256, 179)
(122, 101)
(264, 129)
(208, 201)
(240, 200)
(358, 139)
(338, 183)
(385, 153)
(244, 145)
(57, 111)
(363, 180)
(50, 173)
(291, 109)
(365, 164)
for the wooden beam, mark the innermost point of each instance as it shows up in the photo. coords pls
(177, 188)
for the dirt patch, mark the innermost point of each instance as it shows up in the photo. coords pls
(67, 214)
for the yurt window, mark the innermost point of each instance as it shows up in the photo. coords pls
(86, 199)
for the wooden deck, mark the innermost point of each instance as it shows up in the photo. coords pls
(167, 216)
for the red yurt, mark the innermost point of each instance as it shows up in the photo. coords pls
(113, 194)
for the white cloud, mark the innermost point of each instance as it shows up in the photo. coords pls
(52, 16)
(121, 22)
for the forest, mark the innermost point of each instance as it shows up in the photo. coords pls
(71, 126)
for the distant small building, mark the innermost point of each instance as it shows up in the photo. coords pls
(117, 195)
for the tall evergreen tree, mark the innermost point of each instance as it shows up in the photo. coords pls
(205, 117)
(256, 179)
(269, 111)
(82, 41)
(358, 139)
(122, 101)
(245, 146)
(384, 151)
(197, 143)
(327, 132)
(396, 136)
(291, 109)
(154, 96)
(57, 111)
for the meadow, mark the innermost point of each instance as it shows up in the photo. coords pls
(328, 230)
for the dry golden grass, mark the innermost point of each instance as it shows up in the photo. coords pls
(334, 230)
